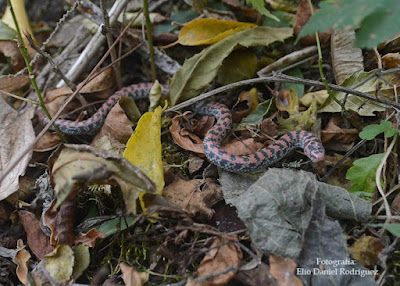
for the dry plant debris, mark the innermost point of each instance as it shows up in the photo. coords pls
(134, 198)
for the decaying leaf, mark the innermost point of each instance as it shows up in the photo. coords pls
(195, 196)
(335, 137)
(132, 277)
(186, 139)
(81, 261)
(288, 101)
(276, 208)
(366, 250)
(346, 59)
(37, 241)
(283, 270)
(223, 253)
(144, 149)
(60, 262)
(198, 71)
(78, 164)
(16, 134)
(22, 260)
(376, 86)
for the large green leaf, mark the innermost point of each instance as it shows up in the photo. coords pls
(379, 20)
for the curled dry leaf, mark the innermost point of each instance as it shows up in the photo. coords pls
(22, 260)
(77, 164)
(117, 125)
(37, 241)
(10, 49)
(247, 103)
(337, 138)
(282, 269)
(224, 253)
(132, 277)
(346, 59)
(195, 196)
(186, 139)
(90, 237)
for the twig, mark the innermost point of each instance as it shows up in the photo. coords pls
(67, 101)
(378, 178)
(19, 97)
(47, 57)
(279, 78)
(24, 53)
(149, 40)
(113, 53)
(95, 43)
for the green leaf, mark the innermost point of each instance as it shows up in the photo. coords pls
(378, 20)
(259, 5)
(198, 71)
(371, 131)
(298, 88)
(117, 224)
(6, 33)
(363, 175)
(394, 228)
(257, 115)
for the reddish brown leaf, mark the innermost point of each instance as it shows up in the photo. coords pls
(38, 242)
(282, 269)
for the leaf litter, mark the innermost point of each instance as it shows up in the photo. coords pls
(199, 225)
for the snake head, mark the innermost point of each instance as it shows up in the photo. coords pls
(315, 151)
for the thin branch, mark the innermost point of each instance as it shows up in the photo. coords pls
(279, 78)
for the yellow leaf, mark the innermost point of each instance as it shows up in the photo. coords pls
(20, 14)
(209, 31)
(144, 149)
(60, 262)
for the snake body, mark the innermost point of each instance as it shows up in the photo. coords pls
(234, 163)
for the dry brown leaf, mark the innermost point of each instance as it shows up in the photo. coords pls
(366, 250)
(283, 269)
(90, 238)
(243, 147)
(195, 196)
(117, 125)
(395, 206)
(22, 260)
(334, 133)
(37, 241)
(132, 277)
(223, 254)
(47, 142)
(257, 276)
(11, 84)
(16, 134)
(183, 138)
(10, 49)
(247, 102)
(346, 59)
(391, 60)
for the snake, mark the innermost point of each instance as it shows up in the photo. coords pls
(259, 160)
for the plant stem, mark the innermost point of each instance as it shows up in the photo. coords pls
(321, 71)
(149, 40)
(24, 52)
